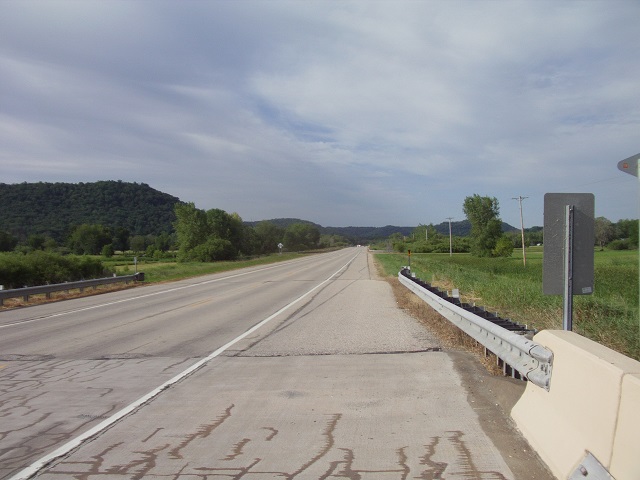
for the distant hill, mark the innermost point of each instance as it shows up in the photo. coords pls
(54, 208)
(366, 234)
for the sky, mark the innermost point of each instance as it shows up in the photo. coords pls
(344, 113)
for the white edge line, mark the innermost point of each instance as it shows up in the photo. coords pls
(35, 467)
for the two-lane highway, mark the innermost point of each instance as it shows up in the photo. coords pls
(67, 366)
(305, 369)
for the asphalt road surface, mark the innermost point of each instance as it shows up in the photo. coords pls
(300, 370)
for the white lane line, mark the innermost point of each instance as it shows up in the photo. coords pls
(35, 467)
(93, 307)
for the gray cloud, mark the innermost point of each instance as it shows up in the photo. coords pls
(344, 113)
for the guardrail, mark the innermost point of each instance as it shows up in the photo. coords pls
(26, 292)
(531, 360)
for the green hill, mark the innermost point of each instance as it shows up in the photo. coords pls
(54, 208)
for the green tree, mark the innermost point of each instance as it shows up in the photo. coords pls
(191, 228)
(138, 243)
(7, 242)
(627, 230)
(163, 242)
(89, 239)
(486, 227)
(207, 236)
(107, 251)
(226, 226)
(269, 235)
(214, 249)
(301, 236)
(120, 240)
(604, 231)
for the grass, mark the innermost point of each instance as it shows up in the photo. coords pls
(168, 270)
(610, 316)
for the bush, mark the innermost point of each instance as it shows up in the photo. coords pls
(214, 249)
(41, 268)
(620, 245)
(504, 247)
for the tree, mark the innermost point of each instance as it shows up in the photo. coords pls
(7, 242)
(269, 235)
(627, 230)
(486, 227)
(138, 244)
(191, 228)
(604, 231)
(301, 236)
(207, 236)
(89, 239)
(120, 240)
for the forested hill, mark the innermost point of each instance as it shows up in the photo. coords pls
(53, 208)
(365, 234)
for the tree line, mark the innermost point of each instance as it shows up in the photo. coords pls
(213, 235)
(487, 239)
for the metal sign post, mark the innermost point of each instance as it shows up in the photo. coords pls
(567, 310)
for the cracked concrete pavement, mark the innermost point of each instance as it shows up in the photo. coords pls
(344, 385)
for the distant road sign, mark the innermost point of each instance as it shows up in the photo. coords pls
(629, 165)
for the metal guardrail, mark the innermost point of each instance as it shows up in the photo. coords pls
(530, 359)
(26, 292)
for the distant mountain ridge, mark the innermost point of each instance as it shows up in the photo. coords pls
(54, 208)
(363, 234)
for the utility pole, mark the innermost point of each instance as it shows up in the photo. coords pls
(524, 254)
(450, 243)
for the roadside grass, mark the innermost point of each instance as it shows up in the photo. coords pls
(610, 316)
(165, 270)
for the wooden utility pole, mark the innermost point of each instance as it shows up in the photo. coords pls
(450, 243)
(524, 252)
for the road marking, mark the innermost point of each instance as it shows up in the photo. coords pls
(35, 467)
(175, 289)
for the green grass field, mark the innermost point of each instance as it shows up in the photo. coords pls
(610, 316)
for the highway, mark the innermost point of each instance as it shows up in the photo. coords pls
(304, 369)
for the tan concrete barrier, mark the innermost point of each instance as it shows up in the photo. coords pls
(593, 405)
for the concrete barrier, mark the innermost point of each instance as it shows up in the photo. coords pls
(593, 405)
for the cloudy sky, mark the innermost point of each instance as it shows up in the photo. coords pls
(362, 113)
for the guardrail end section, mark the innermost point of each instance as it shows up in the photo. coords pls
(590, 468)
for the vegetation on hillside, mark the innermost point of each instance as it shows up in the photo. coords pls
(53, 210)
